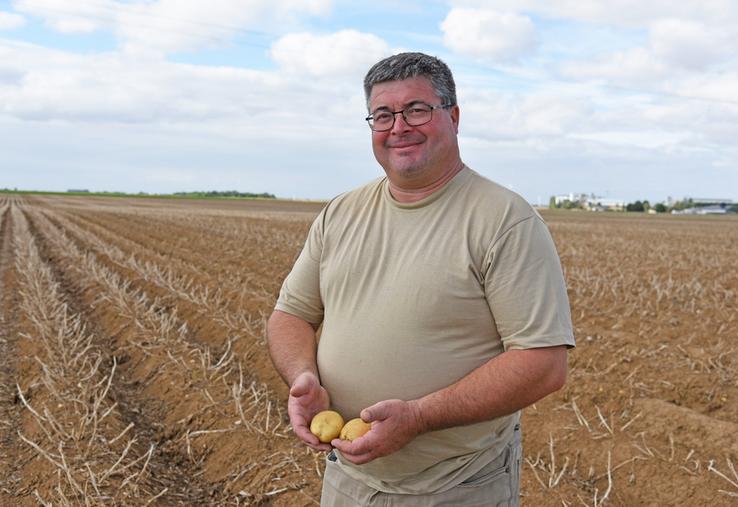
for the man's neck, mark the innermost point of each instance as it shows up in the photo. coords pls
(409, 196)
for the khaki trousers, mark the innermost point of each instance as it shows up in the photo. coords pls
(495, 485)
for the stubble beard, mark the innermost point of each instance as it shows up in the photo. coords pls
(409, 166)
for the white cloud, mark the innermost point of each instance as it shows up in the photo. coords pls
(40, 84)
(68, 16)
(494, 116)
(675, 52)
(689, 44)
(347, 53)
(637, 65)
(55, 85)
(711, 87)
(165, 26)
(9, 20)
(629, 13)
(488, 35)
(636, 138)
(173, 25)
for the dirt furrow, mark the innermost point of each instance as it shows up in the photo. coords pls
(213, 318)
(220, 247)
(10, 448)
(247, 303)
(207, 408)
(121, 250)
(86, 453)
(168, 473)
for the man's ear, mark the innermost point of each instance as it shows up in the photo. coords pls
(455, 113)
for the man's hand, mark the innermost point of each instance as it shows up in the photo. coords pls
(394, 424)
(307, 398)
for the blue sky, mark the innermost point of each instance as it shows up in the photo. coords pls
(619, 98)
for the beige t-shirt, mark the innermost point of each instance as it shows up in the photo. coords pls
(413, 297)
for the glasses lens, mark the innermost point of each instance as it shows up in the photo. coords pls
(417, 114)
(382, 120)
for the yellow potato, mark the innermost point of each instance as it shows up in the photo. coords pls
(326, 425)
(354, 429)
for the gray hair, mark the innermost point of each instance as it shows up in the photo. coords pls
(409, 65)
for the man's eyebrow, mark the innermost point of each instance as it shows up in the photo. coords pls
(405, 105)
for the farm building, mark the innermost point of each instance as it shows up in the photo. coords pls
(702, 210)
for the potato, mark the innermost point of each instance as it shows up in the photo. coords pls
(326, 425)
(354, 429)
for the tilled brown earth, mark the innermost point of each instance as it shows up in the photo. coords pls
(134, 330)
(11, 452)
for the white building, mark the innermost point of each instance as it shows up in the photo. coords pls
(602, 204)
(702, 210)
(571, 197)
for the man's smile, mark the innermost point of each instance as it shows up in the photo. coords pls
(404, 143)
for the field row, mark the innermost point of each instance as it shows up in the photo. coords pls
(170, 392)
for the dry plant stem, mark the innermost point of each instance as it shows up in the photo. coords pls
(625, 426)
(157, 496)
(602, 420)
(553, 478)
(732, 481)
(601, 501)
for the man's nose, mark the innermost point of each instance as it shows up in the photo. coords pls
(400, 124)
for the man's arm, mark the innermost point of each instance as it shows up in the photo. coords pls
(506, 383)
(292, 347)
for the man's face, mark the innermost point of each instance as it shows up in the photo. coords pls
(414, 157)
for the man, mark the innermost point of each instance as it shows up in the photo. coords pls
(443, 311)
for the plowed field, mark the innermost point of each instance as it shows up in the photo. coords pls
(133, 366)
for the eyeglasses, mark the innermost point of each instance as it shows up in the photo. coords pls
(415, 115)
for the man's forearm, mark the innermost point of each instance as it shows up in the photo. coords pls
(292, 345)
(506, 383)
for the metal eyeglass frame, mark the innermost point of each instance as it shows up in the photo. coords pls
(369, 119)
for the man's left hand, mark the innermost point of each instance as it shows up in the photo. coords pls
(394, 424)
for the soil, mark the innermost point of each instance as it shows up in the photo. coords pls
(170, 300)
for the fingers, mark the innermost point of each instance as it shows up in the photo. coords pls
(304, 434)
(301, 387)
(376, 412)
(306, 398)
(358, 452)
(302, 431)
(359, 446)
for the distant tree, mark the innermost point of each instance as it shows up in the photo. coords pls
(635, 206)
(225, 193)
(660, 208)
(552, 203)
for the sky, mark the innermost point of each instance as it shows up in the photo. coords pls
(623, 99)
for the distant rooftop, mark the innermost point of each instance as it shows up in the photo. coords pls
(711, 200)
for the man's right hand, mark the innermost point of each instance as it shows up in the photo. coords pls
(307, 398)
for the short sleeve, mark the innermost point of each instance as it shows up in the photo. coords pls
(525, 289)
(300, 292)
